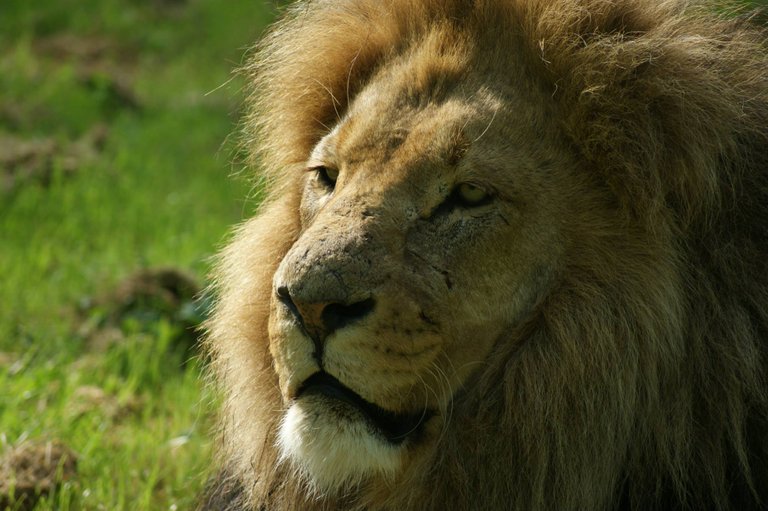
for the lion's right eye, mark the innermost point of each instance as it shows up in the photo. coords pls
(326, 175)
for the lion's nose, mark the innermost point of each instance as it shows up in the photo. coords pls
(321, 318)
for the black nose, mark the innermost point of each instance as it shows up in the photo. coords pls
(321, 318)
(337, 315)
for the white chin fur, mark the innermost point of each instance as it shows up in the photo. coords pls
(333, 450)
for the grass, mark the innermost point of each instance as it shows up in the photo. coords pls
(158, 192)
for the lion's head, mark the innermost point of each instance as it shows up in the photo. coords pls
(514, 257)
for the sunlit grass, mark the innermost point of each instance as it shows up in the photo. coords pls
(159, 193)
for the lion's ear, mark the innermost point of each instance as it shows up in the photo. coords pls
(667, 115)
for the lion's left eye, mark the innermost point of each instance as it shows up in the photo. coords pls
(471, 195)
(464, 196)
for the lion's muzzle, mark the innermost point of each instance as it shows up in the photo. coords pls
(394, 427)
(321, 317)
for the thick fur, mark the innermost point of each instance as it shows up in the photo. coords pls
(637, 377)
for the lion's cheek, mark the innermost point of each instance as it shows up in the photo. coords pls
(472, 326)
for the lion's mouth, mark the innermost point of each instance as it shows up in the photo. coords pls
(394, 427)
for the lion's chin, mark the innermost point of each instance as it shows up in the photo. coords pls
(332, 446)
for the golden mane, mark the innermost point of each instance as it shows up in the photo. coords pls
(642, 380)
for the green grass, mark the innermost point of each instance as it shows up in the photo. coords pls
(159, 193)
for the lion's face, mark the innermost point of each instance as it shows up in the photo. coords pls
(513, 257)
(424, 238)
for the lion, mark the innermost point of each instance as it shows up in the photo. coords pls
(513, 256)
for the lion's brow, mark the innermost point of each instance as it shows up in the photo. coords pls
(458, 147)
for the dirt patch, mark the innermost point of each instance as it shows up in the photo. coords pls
(7, 359)
(12, 114)
(24, 160)
(90, 398)
(32, 470)
(69, 46)
(99, 63)
(142, 299)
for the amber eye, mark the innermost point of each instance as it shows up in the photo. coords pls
(326, 175)
(471, 195)
(464, 196)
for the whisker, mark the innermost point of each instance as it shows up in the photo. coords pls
(335, 102)
(487, 127)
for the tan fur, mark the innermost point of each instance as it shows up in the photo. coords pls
(594, 337)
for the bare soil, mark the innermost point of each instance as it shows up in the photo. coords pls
(32, 470)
